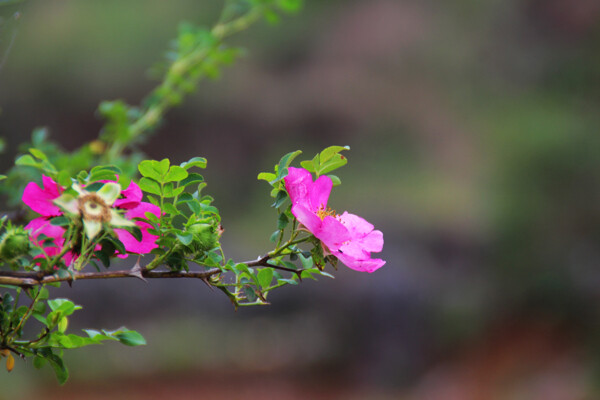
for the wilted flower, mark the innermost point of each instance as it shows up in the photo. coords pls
(95, 209)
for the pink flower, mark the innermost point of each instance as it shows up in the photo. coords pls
(348, 237)
(356, 252)
(148, 242)
(42, 201)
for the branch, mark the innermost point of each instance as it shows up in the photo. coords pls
(263, 262)
(34, 278)
(27, 279)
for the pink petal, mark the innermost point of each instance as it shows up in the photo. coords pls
(319, 192)
(132, 245)
(42, 225)
(332, 233)
(353, 249)
(148, 242)
(40, 200)
(309, 219)
(141, 210)
(357, 226)
(297, 184)
(373, 242)
(369, 265)
(132, 196)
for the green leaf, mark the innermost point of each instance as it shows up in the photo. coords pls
(66, 306)
(130, 338)
(170, 209)
(307, 274)
(64, 178)
(308, 165)
(283, 164)
(146, 169)
(185, 238)
(289, 281)
(243, 267)
(192, 178)
(306, 261)
(38, 154)
(162, 166)
(124, 181)
(39, 362)
(102, 175)
(327, 274)
(289, 265)
(176, 174)
(150, 186)
(199, 162)
(335, 162)
(136, 232)
(154, 200)
(60, 369)
(194, 206)
(336, 181)
(97, 336)
(281, 197)
(27, 160)
(60, 221)
(266, 176)
(330, 151)
(265, 276)
(102, 256)
(282, 221)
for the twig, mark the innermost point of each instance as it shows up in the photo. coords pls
(263, 262)
(27, 279)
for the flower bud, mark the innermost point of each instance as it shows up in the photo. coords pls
(205, 236)
(14, 243)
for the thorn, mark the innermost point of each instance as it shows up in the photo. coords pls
(136, 271)
(205, 280)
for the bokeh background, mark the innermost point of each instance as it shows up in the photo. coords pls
(475, 149)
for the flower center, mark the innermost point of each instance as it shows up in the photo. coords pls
(323, 212)
(93, 208)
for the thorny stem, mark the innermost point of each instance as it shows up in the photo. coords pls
(33, 278)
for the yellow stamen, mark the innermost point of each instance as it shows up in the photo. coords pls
(322, 212)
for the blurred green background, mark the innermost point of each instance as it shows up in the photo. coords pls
(475, 149)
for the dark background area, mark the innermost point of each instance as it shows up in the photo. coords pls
(475, 149)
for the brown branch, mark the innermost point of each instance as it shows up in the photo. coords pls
(263, 262)
(27, 279)
(34, 278)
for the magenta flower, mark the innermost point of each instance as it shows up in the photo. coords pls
(348, 237)
(356, 252)
(44, 201)
(148, 242)
(41, 200)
